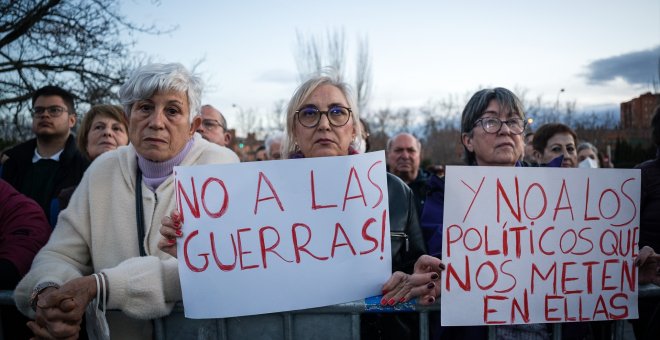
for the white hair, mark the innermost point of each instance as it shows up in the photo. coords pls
(149, 79)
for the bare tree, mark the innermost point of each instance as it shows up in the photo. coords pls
(363, 80)
(381, 120)
(308, 55)
(278, 115)
(247, 119)
(313, 54)
(404, 118)
(655, 82)
(71, 43)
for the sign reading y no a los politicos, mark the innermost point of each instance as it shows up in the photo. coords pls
(539, 245)
(274, 236)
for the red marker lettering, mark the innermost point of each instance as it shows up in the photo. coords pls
(316, 206)
(272, 190)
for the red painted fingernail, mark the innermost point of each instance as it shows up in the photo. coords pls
(171, 241)
(431, 285)
(434, 276)
(403, 299)
(431, 300)
(384, 291)
(179, 233)
(383, 301)
(442, 266)
(391, 302)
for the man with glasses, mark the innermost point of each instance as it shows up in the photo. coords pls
(41, 167)
(214, 126)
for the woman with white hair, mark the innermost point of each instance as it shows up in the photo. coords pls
(105, 242)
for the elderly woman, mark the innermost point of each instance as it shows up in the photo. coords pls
(109, 233)
(587, 155)
(322, 121)
(492, 127)
(103, 128)
(554, 140)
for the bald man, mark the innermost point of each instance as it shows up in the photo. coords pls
(403, 159)
(214, 126)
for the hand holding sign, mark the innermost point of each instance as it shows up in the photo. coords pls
(170, 230)
(423, 283)
(649, 266)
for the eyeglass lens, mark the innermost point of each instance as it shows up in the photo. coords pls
(54, 111)
(311, 116)
(493, 125)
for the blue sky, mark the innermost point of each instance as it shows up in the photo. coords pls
(599, 51)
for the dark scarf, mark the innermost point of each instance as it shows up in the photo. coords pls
(299, 154)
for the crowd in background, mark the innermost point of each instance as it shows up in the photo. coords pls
(73, 222)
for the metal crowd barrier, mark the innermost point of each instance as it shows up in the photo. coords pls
(340, 321)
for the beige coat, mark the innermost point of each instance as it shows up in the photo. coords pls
(98, 233)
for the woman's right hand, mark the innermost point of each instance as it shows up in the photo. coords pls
(649, 266)
(170, 230)
(423, 284)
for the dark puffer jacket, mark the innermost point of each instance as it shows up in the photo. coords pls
(405, 233)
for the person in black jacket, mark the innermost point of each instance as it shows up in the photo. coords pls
(648, 324)
(403, 158)
(41, 167)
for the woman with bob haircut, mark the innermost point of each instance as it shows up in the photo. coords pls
(103, 128)
(492, 133)
(553, 140)
(108, 237)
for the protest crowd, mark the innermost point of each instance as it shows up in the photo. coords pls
(94, 221)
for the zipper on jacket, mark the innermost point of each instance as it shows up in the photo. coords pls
(400, 234)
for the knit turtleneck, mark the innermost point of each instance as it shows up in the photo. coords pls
(155, 173)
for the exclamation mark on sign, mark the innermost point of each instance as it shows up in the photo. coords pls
(382, 233)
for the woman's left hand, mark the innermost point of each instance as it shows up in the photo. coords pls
(649, 266)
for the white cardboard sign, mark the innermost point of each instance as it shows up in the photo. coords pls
(274, 236)
(539, 245)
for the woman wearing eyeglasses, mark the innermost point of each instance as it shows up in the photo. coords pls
(322, 121)
(105, 243)
(492, 127)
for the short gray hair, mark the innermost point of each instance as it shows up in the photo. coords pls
(476, 106)
(304, 91)
(272, 138)
(223, 121)
(148, 79)
(587, 145)
(388, 146)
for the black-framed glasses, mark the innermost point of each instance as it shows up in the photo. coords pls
(212, 124)
(53, 111)
(310, 116)
(494, 125)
